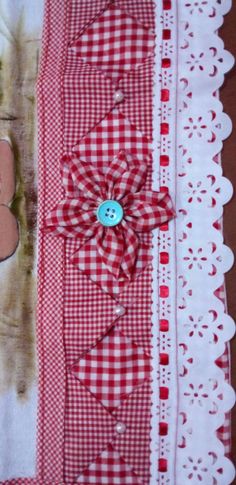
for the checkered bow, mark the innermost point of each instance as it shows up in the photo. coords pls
(86, 188)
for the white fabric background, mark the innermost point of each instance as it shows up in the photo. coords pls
(18, 418)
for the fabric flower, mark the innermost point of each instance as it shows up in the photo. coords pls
(88, 188)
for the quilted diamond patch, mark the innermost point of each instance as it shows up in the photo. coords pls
(115, 43)
(113, 369)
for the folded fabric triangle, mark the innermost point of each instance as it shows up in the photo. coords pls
(113, 369)
(111, 469)
(115, 43)
(113, 134)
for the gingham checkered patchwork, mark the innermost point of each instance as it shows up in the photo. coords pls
(81, 446)
(86, 427)
(113, 134)
(137, 299)
(86, 110)
(89, 428)
(113, 369)
(133, 445)
(82, 15)
(118, 246)
(144, 12)
(89, 312)
(115, 43)
(88, 260)
(137, 88)
(98, 97)
(109, 469)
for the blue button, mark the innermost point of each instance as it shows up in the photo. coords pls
(110, 213)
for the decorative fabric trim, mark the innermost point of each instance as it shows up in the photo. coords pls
(100, 339)
(108, 133)
(165, 402)
(118, 194)
(202, 258)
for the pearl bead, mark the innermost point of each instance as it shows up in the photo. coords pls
(119, 311)
(120, 428)
(119, 96)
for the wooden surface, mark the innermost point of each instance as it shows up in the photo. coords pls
(228, 97)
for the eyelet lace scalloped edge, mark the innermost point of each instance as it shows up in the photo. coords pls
(203, 327)
(202, 258)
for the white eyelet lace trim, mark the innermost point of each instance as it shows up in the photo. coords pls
(202, 397)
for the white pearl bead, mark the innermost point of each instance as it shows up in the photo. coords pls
(118, 96)
(119, 311)
(120, 428)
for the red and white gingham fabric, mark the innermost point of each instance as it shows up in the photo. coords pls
(134, 444)
(99, 146)
(85, 415)
(137, 88)
(99, 97)
(87, 188)
(114, 133)
(82, 435)
(88, 11)
(144, 12)
(113, 369)
(88, 429)
(115, 42)
(109, 469)
(88, 110)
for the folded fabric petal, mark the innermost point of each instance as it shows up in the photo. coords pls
(131, 245)
(118, 166)
(131, 181)
(110, 245)
(72, 217)
(88, 180)
(147, 210)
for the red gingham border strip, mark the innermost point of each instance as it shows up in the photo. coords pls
(51, 250)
